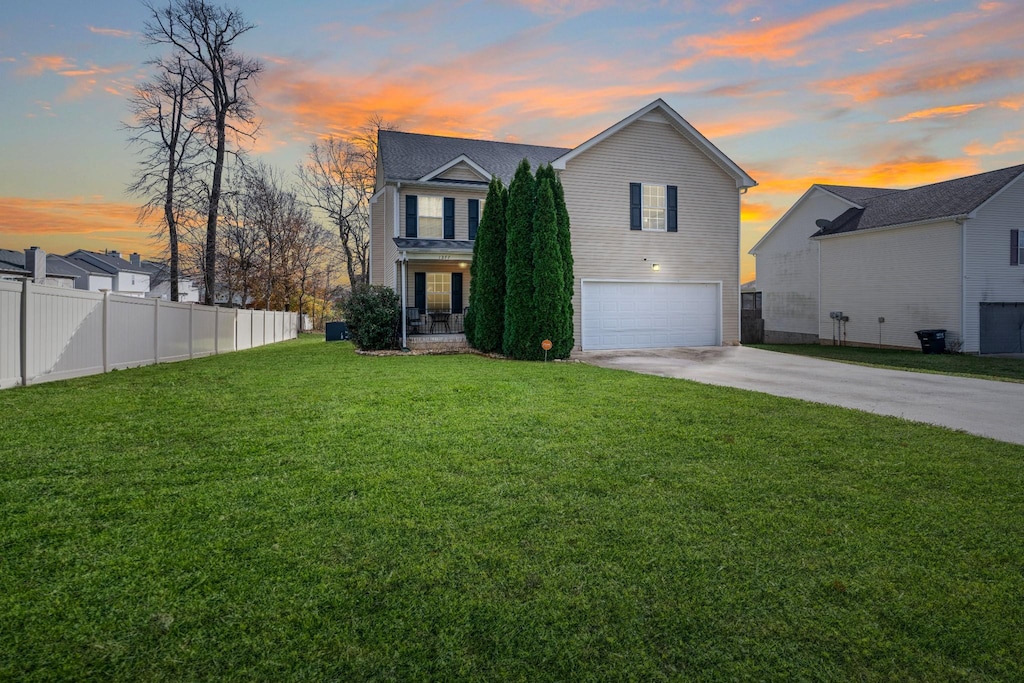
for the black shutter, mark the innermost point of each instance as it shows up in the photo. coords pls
(634, 206)
(474, 217)
(410, 215)
(456, 292)
(449, 218)
(673, 208)
(1014, 247)
(421, 291)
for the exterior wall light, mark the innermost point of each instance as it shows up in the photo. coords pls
(655, 267)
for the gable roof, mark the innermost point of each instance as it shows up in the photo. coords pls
(957, 198)
(855, 194)
(12, 261)
(107, 263)
(416, 157)
(682, 125)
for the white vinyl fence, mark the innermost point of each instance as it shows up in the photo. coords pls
(49, 333)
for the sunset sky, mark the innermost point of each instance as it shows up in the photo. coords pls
(882, 93)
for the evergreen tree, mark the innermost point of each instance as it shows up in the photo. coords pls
(563, 346)
(485, 322)
(520, 318)
(548, 283)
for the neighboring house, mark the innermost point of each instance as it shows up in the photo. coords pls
(942, 256)
(654, 209)
(126, 277)
(160, 283)
(36, 265)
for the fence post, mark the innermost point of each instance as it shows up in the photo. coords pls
(216, 330)
(26, 342)
(191, 326)
(106, 330)
(156, 330)
(234, 330)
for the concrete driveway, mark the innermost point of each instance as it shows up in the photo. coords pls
(983, 407)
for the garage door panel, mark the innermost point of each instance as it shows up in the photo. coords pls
(621, 315)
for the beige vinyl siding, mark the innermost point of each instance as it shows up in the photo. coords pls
(462, 171)
(378, 227)
(910, 276)
(706, 248)
(787, 270)
(990, 277)
(437, 267)
(461, 197)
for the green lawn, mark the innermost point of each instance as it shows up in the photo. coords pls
(298, 512)
(1004, 369)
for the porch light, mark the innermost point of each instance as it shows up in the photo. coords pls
(655, 267)
(462, 264)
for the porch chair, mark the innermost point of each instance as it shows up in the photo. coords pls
(414, 320)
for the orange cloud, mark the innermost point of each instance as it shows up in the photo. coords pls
(772, 42)
(900, 172)
(949, 112)
(63, 225)
(116, 33)
(757, 212)
(1014, 103)
(40, 64)
(895, 81)
(1014, 142)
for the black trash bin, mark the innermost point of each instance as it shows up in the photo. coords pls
(932, 341)
(337, 331)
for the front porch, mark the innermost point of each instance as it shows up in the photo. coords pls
(438, 343)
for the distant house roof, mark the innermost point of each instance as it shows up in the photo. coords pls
(60, 266)
(107, 263)
(12, 262)
(946, 200)
(411, 156)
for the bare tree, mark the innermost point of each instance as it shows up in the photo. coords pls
(338, 177)
(206, 34)
(164, 126)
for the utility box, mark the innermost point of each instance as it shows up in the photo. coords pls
(932, 341)
(337, 331)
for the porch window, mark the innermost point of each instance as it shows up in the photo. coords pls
(439, 291)
(430, 217)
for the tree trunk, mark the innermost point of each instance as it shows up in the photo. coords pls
(211, 217)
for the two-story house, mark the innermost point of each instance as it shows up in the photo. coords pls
(655, 224)
(126, 277)
(871, 266)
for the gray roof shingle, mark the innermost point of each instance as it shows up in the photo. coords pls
(404, 243)
(947, 199)
(410, 156)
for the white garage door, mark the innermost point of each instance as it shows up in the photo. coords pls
(648, 315)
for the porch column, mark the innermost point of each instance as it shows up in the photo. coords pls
(405, 268)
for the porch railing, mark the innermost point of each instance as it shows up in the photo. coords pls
(436, 322)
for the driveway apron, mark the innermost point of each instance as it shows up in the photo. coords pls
(978, 406)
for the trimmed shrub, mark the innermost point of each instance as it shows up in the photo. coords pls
(520, 321)
(373, 315)
(548, 284)
(485, 322)
(563, 346)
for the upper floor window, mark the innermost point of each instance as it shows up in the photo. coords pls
(431, 217)
(653, 208)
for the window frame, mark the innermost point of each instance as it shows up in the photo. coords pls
(647, 210)
(423, 219)
(445, 290)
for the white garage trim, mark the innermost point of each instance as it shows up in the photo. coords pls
(690, 315)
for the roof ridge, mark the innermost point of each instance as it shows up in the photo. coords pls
(461, 138)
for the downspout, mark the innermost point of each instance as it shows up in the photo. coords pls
(398, 191)
(963, 286)
(817, 321)
(739, 259)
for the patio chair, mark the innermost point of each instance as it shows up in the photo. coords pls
(414, 320)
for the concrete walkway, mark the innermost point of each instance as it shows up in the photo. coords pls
(982, 407)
